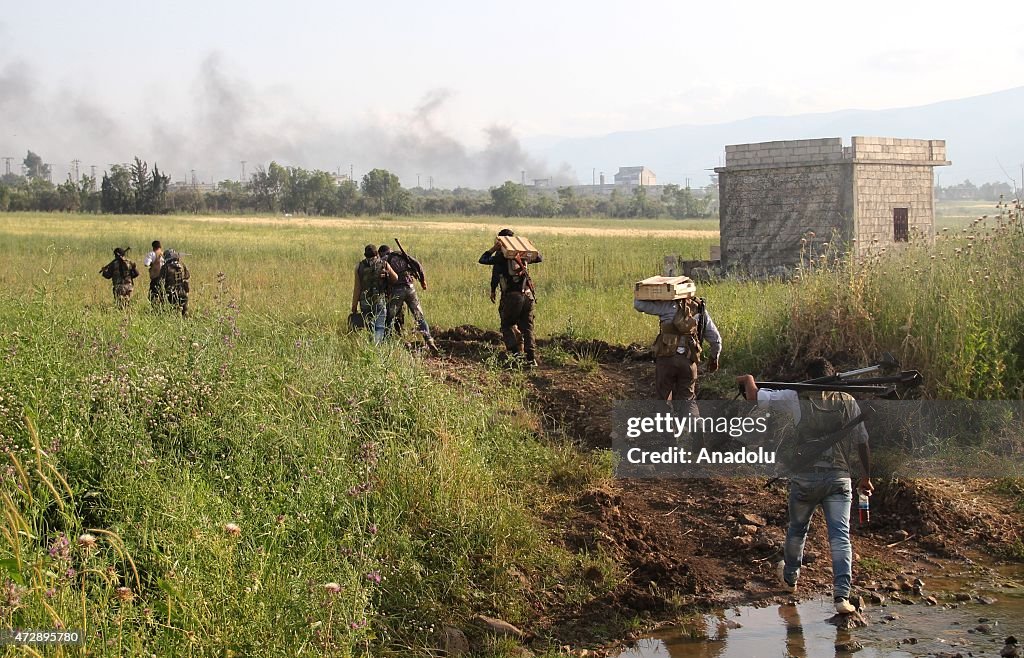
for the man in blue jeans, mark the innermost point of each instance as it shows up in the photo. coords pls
(827, 482)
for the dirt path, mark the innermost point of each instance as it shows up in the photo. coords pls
(681, 544)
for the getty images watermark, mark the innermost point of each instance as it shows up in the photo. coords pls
(668, 425)
(721, 438)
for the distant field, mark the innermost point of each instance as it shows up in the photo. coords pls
(300, 271)
(954, 214)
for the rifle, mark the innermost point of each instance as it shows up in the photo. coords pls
(417, 269)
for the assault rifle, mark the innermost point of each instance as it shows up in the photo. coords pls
(417, 269)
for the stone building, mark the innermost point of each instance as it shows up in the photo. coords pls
(877, 191)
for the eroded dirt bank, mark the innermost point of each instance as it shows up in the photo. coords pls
(681, 545)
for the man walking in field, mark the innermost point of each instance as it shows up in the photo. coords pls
(122, 274)
(517, 301)
(175, 278)
(685, 325)
(827, 422)
(154, 261)
(370, 292)
(403, 291)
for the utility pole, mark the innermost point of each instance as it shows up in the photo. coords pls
(242, 179)
(74, 168)
(351, 174)
(431, 183)
(195, 183)
(593, 176)
(417, 180)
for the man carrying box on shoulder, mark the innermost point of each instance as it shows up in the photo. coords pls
(685, 324)
(518, 297)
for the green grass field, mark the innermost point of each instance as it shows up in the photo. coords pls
(256, 480)
(301, 273)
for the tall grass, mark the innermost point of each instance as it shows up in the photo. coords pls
(952, 309)
(235, 484)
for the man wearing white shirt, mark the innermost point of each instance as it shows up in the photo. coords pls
(830, 415)
(154, 261)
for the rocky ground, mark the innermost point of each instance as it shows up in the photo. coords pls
(682, 545)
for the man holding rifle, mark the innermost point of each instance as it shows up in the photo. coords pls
(403, 291)
(826, 421)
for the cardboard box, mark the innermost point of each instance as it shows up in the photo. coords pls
(513, 245)
(664, 288)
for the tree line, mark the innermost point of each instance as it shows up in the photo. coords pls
(136, 189)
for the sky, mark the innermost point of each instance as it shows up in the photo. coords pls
(448, 89)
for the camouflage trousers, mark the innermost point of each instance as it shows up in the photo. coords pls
(406, 295)
(122, 294)
(179, 298)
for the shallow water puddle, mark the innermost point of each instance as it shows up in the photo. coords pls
(801, 630)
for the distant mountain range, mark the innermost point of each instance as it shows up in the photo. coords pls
(983, 134)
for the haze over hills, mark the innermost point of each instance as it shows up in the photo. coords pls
(982, 134)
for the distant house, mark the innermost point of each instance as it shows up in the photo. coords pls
(635, 176)
(877, 191)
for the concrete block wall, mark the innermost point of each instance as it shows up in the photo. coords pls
(881, 187)
(792, 152)
(766, 211)
(895, 149)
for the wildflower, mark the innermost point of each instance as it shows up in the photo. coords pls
(280, 519)
(373, 577)
(332, 588)
(70, 573)
(232, 529)
(50, 593)
(87, 542)
(368, 453)
(373, 526)
(60, 549)
(124, 594)
(359, 489)
(10, 595)
(356, 625)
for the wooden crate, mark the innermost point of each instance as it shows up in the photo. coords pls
(513, 245)
(664, 288)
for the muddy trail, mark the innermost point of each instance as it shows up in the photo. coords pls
(683, 545)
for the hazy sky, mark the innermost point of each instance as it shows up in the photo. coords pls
(451, 85)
